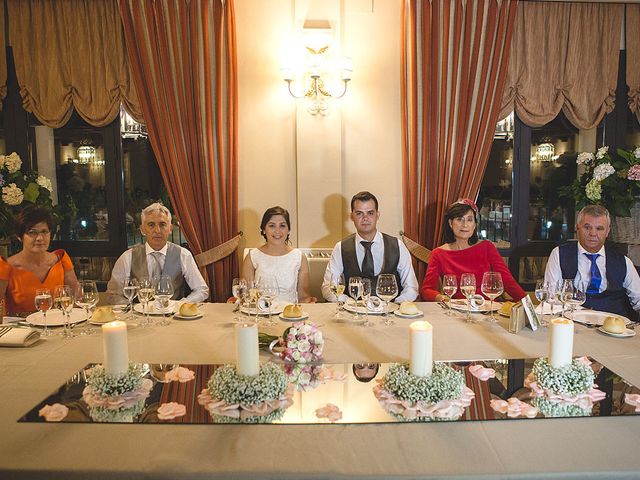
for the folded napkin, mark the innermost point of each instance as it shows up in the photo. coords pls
(552, 309)
(12, 336)
(375, 305)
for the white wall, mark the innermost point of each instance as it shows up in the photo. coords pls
(313, 165)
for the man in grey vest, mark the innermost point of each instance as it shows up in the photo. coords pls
(368, 253)
(158, 257)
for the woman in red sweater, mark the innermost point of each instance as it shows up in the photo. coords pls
(462, 253)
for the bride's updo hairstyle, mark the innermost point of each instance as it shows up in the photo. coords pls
(272, 212)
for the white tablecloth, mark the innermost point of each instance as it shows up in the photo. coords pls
(567, 448)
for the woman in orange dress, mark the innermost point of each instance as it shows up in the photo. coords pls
(33, 267)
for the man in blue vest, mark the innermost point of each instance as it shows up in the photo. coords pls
(157, 256)
(368, 253)
(611, 280)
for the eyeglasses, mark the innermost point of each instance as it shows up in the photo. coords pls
(36, 233)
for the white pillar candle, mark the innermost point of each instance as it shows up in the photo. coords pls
(247, 353)
(421, 351)
(560, 342)
(115, 347)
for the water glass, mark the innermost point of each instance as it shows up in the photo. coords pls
(43, 301)
(146, 294)
(268, 295)
(130, 290)
(63, 299)
(86, 297)
(492, 287)
(365, 293)
(337, 288)
(355, 291)
(468, 289)
(566, 293)
(387, 290)
(164, 292)
(543, 293)
(578, 297)
(449, 289)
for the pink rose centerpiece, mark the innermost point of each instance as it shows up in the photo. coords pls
(302, 343)
(54, 413)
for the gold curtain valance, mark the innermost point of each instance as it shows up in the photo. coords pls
(564, 56)
(70, 54)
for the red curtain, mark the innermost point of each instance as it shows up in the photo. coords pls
(183, 59)
(454, 62)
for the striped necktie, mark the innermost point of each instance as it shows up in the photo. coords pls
(596, 276)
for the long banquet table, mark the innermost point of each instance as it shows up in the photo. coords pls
(554, 448)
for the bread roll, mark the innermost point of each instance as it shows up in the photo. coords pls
(614, 325)
(189, 310)
(103, 315)
(292, 311)
(409, 308)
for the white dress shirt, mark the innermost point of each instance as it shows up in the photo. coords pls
(408, 279)
(122, 270)
(631, 283)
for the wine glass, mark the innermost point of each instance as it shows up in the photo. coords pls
(365, 293)
(355, 290)
(146, 293)
(449, 288)
(164, 292)
(387, 290)
(63, 299)
(130, 290)
(468, 289)
(566, 293)
(239, 291)
(578, 297)
(337, 288)
(43, 302)
(255, 292)
(87, 298)
(543, 293)
(492, 287)
(268, 294)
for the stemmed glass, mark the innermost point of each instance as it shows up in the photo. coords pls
(130, 290)
(164, 292)
(492, 287)
(387, 290)
(87, 298)
(468, 289)
(269, 293)
(355, 290)
(337, 288)
(449, 288)
(255, 292)
(365, 293)
(543, 292)
(146, 293)
(566, 293)
(63, 300)
(239, 290)
(578, 297)
(43, 302)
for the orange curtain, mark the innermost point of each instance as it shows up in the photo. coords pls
(183, 57)
(3, 57)
(633, 57)
(564, 56)
(454, 63)
(70, 54)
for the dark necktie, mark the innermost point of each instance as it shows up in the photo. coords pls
(367, 262)
(156, 269)
(596, 276)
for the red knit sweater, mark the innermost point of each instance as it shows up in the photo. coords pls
(479, 258)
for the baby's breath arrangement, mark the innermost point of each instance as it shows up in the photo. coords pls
(106, 385)
(270, 383)
(268, 418)
(445, 383)
(571, 379)
(117, 415)
(550, 408)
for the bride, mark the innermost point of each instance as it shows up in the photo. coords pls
(276, 261)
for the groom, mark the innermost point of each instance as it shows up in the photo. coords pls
(368, 253)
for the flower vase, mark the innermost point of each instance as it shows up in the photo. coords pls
(627, 229)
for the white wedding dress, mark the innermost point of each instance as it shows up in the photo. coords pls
(282, 269)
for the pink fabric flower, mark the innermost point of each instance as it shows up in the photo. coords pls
(584, 400)
(125, 400)
(482, 373)
(633, 399)
(330, 374)
(54, 413)
(171, 410)
(243, 412)
(514, 407)
(180, 374)
(330, 411)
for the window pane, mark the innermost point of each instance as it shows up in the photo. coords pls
(494, 199)
(632, 137)
(531, 269)
(552, 165)
(80, 175)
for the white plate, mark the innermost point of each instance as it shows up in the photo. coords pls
(461, 304)
(275, 310)
(177, 316)
(593, 317)
(154, 310)
(397, 313)
(304, 316)
(56, 319)
(627, 333)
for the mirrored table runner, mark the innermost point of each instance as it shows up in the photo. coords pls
(334, 393)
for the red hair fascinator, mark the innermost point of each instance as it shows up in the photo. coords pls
(470, 203)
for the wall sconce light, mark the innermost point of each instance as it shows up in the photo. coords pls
(86, 154)
(317, 73)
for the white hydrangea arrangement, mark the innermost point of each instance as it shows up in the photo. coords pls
(613, 182)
